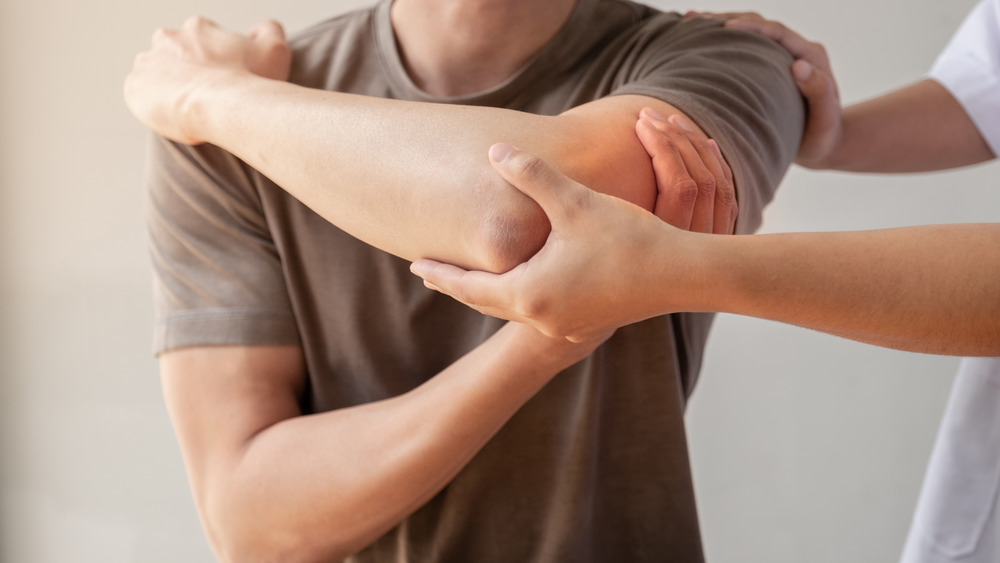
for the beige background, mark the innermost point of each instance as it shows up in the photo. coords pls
(805, 447)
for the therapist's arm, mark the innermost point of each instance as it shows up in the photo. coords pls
(916, 128)
(933, 289)
(409, 178)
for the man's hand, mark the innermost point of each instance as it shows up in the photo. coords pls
(182, 63)
(596, 270)
(694, 185)
(814, 77)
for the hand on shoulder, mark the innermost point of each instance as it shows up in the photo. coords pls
(165, 81)
(813, 75)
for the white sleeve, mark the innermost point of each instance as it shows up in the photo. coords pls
(969, 67)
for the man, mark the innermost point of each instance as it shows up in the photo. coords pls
(326, 403)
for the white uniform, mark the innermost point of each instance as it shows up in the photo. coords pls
(957, 515)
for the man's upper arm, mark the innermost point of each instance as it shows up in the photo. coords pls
(219, 398)
(599, 147)
(216, 270)
(736, 86)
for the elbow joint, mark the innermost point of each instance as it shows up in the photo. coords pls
(508, 238)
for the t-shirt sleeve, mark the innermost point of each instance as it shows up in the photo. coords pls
(217, 276)
(969, 67)
(736, 86)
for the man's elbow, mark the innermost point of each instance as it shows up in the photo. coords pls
(512, 227)
(509, 232)
(237, 534)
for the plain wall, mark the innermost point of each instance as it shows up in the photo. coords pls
(805, 447)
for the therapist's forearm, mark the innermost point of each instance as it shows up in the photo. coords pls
(918, 128)
(932, 289)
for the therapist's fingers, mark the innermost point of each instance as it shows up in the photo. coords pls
(799, 47)
(676, 191)
(824, 124)
(726, 205)
(558, 195)
(483, 291)
(723, 16)
(693, 192)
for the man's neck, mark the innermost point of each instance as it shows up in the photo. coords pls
(460, 47)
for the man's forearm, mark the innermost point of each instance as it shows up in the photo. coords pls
(321, 487)
(918, 128)
(931, 289)
(414, 178)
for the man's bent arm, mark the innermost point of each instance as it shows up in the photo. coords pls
(273, 485)
(413, 178)
(407, 177)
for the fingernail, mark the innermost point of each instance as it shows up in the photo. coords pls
(681, 122)
(715, 147)
(500, 151)
(651, 113)
(802, 70)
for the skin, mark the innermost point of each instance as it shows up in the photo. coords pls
(271, 484)
(929, 289)
(438, 198)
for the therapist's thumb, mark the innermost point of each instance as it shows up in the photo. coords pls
(552, 190)
(824, 122)
(820, 91)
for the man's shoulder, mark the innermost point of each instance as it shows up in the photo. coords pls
(349, 24)
(344, 39)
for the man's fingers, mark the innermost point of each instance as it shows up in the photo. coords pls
(557, 194)
(272, 55)
(269, 31)
(195, 23)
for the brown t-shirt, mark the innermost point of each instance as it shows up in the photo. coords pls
(595, 467)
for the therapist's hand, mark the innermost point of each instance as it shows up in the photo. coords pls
(694, 185)
(813, 75)
(602, 261)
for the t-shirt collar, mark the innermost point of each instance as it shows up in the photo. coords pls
(552, 58)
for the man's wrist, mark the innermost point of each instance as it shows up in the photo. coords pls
(203, 108)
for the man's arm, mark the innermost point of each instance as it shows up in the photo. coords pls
(931, 289)
(400, 167)
(273, 485)
(406, 177)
